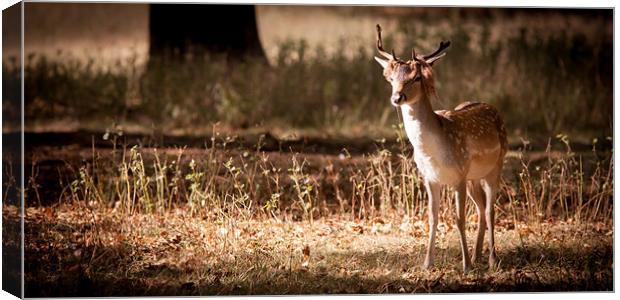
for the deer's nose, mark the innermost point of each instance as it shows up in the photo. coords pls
(397, 98)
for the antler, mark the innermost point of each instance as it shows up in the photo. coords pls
(442, 46)
(380, 46)
(413, 55)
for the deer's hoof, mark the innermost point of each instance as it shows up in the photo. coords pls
(466, 265)
(476, 257)
(493, 263)
(428, 265)
(466, 270)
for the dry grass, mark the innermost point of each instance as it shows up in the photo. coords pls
(229, 181)
(81, 250)
(232, 220)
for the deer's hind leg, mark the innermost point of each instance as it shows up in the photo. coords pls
(490, 185)
(474, 189)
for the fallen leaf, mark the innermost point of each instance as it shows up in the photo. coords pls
(356, 228)
(378, 220)
(49, 212)
(525, 231)
(306, 253)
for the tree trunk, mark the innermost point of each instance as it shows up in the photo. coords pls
(182, 30)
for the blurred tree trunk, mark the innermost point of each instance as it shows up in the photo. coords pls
(180, 30)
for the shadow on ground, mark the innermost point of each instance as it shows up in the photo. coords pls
(111, 271)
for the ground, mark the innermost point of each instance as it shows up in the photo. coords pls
(77, 250)
(554, 229)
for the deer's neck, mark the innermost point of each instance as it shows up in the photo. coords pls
(422, 124)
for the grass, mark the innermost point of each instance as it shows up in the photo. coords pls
(76, 250)
(224, 181)
(231, 220)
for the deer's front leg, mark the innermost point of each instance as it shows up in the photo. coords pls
(433, 191)
(460, 196)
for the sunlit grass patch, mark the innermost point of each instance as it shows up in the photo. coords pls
(75, 247)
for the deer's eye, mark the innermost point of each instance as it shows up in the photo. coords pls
(414, 80)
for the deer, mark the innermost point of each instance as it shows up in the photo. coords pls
(463, 148)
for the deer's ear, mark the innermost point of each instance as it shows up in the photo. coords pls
(434, 59)
(382, 62)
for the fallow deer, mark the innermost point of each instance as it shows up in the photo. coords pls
(463, 148)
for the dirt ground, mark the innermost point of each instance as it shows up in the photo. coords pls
(77, 250)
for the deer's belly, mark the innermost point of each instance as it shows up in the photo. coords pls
(437, 171)
(483, 163)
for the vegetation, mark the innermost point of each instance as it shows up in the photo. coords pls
(543, 84)
(227, 183)
(233, 220)
(246, 210)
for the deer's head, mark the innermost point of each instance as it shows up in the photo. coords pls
(407, 77)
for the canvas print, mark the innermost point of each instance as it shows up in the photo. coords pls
(220, 149)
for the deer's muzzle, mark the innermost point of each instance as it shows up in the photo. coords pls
(398, 98)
